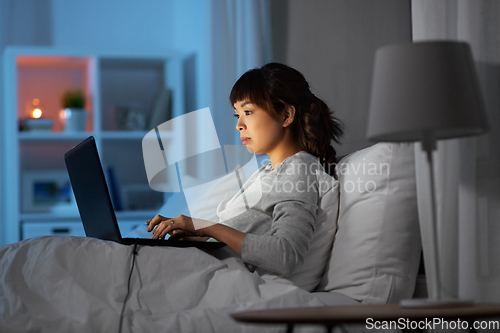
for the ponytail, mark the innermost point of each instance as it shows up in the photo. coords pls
(320, 129)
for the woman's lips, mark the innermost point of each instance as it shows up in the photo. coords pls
(244, 140)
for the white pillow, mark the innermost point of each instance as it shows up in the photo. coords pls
(309, 274)
(376, 251)
(203, 199)
(200, 198)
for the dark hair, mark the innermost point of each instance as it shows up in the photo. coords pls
(273, 88)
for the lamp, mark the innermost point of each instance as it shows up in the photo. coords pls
(426, 91)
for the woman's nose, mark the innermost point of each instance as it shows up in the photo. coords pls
(240, 125)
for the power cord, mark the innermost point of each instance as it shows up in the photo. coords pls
(134, 255)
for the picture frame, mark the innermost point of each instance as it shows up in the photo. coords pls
(47, 191)
(129, 117)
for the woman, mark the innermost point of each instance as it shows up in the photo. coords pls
(276, 115)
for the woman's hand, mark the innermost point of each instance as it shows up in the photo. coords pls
(178, 227)
(184, 226)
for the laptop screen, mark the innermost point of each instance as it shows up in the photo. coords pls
(91, 192)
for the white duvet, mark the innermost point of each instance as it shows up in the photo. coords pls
(76, 284)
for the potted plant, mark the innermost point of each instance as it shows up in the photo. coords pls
(73, 99)
(74, 114)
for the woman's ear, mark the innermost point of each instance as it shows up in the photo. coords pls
(289, 115)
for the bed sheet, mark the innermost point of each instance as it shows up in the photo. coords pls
(63, 284)
(77, 284)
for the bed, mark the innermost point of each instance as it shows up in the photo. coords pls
(366, 249)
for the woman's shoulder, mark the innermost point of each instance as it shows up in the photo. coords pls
(305, 157)
(300, 163)
(304, 166)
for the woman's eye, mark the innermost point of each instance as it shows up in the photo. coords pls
(236, 116)
(248, 112)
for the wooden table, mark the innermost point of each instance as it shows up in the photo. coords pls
(376, 316)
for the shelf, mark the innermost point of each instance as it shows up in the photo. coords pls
(120, 215)
(136, 214)
(106, 135)
(114, 84)
(70, 228)
(51, 62)
(124, 135)
(47, 78)
(48, 217)
(53, 136)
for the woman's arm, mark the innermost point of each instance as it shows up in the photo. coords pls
(184, 226)
(232, 237)
(284, 248)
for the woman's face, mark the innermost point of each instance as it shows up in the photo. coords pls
(259, 131)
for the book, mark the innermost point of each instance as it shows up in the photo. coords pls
(113, 187)
(162, 109)
(36, 124)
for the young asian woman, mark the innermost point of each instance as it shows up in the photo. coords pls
(278, 115)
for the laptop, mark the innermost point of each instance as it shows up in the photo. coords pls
(94, 202)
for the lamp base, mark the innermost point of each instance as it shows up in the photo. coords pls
(429, 303)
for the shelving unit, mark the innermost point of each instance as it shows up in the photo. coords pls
(108, 80)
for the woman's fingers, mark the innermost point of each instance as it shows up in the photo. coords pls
(178, 234)
(167, 230)
(155, 221)
(180, 227)
(160, 229)
(164, 227)
(157, 230)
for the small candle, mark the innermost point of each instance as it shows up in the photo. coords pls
(37, 113)
(35, 120)
(34, 108)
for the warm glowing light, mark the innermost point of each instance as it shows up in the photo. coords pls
(37, 113)
(36, 101)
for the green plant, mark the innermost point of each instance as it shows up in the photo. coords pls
(73, 99)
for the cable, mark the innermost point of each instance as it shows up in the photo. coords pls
(134, 254)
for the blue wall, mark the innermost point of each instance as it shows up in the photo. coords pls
(115, 24)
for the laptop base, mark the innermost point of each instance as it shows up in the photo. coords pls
(174, 243)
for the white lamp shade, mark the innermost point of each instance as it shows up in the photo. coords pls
(425, 88)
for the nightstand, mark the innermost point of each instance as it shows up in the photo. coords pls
(378, 316)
